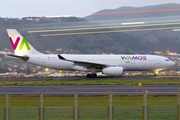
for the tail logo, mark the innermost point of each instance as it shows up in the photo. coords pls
(14, 45)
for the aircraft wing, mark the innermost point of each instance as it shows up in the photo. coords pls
(84, 64)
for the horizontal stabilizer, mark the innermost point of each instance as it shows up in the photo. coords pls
(25, 58)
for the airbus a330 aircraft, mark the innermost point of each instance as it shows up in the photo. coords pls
(107, 64)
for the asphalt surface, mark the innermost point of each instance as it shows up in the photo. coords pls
(91, 90)
(98, 78)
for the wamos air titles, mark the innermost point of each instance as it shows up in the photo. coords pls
(107, 64)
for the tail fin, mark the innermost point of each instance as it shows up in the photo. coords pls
(20, 45)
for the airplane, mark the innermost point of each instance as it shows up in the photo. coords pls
(107, 64)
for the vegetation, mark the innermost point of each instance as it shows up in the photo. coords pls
(96, 108)
(92, 82)
(131, 100)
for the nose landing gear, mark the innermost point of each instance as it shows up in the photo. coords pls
(155, 73)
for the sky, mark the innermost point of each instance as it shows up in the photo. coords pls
(42, 8)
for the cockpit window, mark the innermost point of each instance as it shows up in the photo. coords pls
(167, 60)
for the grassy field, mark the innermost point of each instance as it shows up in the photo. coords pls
(51, 81)
(90, 108)
(28, 101)
(164, 112)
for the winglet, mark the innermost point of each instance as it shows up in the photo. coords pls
(61, 58)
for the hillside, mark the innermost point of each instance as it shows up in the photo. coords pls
(118, 43)
(130, 15)
(157, 40)
(88, 43)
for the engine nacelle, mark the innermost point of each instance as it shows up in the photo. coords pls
(113, 70)
(79, 68)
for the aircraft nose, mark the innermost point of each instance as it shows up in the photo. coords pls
(173, 63)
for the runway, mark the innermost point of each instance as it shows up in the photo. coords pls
(64, 90)
(98, 78)
(91, 90)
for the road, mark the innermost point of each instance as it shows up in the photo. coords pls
(91, 89)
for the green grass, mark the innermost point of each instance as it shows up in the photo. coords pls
(24, 113)
(127, 112)
(25, 101)
(92, 82)
(1, 113)
(91, 108)
(65, 113)
(160, 112)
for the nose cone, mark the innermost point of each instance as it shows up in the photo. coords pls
(172, 63)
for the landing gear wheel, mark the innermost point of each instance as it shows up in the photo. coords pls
(88, 75)
(94, 75)
(155, 75)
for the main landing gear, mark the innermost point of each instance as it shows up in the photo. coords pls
(92, 75)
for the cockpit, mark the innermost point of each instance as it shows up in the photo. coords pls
(167, 60)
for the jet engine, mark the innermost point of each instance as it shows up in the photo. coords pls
(113, 70)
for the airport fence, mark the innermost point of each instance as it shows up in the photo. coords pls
(145, 112)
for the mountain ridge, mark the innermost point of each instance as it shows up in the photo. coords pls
(135, 15)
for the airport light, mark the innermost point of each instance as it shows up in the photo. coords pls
(132, 23)
(176, 30)
(158, 52)
(140, 84)
(47, 69)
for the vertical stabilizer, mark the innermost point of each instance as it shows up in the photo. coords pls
(20, 45)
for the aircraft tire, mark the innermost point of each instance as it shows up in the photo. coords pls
(155, 75)
(88, 75)
(94, 75)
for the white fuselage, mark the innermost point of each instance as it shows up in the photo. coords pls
(128, 62)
